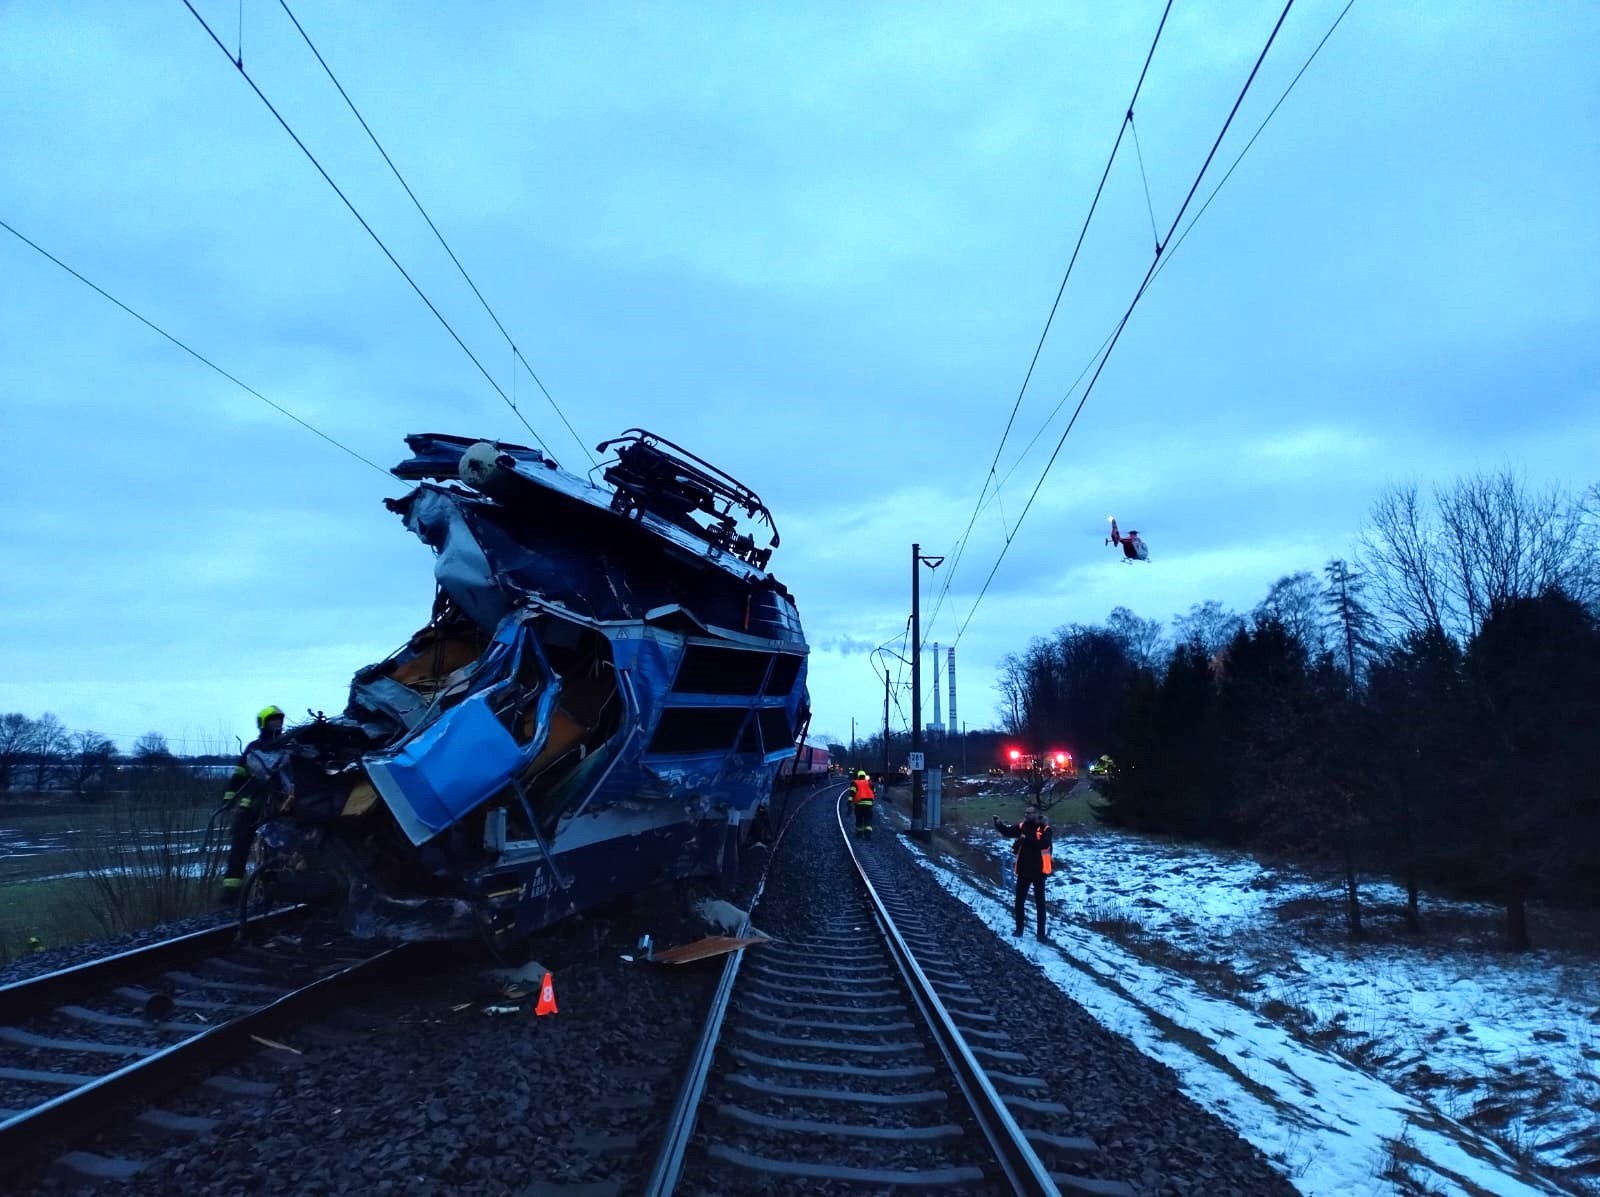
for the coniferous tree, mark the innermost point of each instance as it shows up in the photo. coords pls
(1530, 671)
(1415, 699)
(1354, 627)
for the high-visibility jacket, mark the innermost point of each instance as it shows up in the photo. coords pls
(861, 792)
(1032, 841)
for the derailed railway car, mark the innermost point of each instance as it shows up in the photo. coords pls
(809, 760)
(608, 685)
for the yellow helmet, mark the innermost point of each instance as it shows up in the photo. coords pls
(861, 775)
(266, 713)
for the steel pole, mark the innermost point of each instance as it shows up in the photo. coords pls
(918, 815)
(886, 734)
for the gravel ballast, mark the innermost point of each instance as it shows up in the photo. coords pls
(417, 1089)
(1150, 1134)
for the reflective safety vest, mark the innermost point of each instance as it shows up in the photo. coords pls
(1032, 844)
(861, 792)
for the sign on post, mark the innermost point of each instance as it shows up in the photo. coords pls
(916, 762)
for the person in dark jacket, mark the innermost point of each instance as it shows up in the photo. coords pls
(261, 775)
(1031, 844)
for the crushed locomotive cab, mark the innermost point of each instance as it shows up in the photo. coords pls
(608, 684)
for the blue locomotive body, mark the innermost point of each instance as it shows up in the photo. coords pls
(606, 690)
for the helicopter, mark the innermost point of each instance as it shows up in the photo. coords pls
(1133, 549)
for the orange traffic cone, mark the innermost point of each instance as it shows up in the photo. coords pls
(547, 997)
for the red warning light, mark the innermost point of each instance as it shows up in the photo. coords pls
(1016, 754)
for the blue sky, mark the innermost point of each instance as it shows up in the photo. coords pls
(815, 244)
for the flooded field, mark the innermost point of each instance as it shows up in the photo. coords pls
(37, 843)
(71, 871)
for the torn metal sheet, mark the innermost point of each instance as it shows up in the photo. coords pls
(704, 949)
(607, 684)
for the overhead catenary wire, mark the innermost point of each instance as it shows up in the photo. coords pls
(395, 170)
(354, 211)
(1038, 348)
(876, 656)
(194, 353)
(1171, 250)
(1127, 315)
(1138, 152)
(1305, 66)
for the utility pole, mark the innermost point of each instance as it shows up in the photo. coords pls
(919, 821)
(886, 734)
(852, 741)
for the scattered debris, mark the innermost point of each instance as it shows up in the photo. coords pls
(502, 1009)
(273, 1043)
(532, 971)
(723, 915)
(711, 945)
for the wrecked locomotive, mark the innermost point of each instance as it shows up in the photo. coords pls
(607, 686)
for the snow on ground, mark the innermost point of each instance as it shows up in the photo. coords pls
(1424, 1035)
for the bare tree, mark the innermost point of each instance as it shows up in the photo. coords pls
(1141, 638)
(1492, 540)
(16, 733)
(1209, 624)
(1013, 687)
(45, 747)
(1400, 553)
(1505, 541)
(151, 749)
(1295, 601)
(89, 756)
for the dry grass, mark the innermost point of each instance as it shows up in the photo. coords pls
(143, 866)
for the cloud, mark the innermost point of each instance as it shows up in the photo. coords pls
(844, 645)
(816, 245)
(1320, 444)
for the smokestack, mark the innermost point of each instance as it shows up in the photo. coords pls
(937, 722)
(951, 673)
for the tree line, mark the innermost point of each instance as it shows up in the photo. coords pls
(41, 754)
(1429, 712)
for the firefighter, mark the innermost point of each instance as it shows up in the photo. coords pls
(1031, 842)
(262, 772)
(861, 799)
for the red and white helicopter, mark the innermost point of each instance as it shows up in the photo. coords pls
(1132, 547)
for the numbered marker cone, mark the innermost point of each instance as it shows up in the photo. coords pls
(547, 997)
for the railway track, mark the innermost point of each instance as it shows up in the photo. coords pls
(79, 1046)
(848, 1054)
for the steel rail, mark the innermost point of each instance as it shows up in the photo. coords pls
(22, 999)
(1023, 1169)
(668, 1169)
(32, 1129)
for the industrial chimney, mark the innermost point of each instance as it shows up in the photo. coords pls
(938, 723)
(955, 728)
